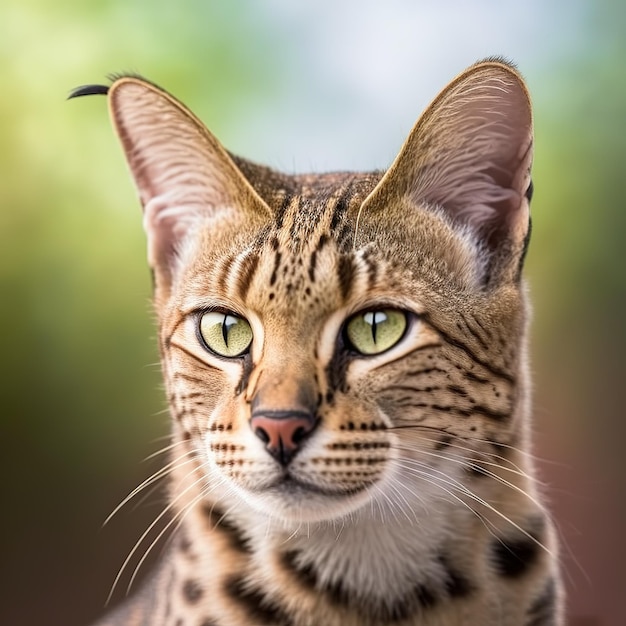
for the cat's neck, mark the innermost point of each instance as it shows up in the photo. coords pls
(367, 554)
(381, 553)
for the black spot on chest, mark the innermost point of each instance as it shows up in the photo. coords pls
(515, 556)
(192, 591)
(256, 604)
(218, 521)
(542, 611)
(420, 598)
(457, 585)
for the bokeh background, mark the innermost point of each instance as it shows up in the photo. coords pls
(311, 85)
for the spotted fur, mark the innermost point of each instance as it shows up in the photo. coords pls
(409, 498)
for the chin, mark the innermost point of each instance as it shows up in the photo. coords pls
(295, 502)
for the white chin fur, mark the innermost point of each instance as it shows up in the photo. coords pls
(302, 506)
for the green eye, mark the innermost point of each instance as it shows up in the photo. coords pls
(373, 332)
(225, 334)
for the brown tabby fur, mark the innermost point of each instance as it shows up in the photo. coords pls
(413, 499)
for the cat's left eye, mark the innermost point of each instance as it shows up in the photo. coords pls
(225, 334)
(373, 332)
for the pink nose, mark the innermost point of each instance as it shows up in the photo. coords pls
(282, 432)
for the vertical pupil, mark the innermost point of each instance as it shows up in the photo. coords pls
(227, 322)
(373, 318)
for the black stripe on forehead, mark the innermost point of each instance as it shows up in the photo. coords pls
(346, 273)
(283, 208)
(306, 214)
(224, 272)
(317, 208)
(277, 259)
(372, 267)
(322, 241)
(237, 274)
(341, 205)
(246, 271)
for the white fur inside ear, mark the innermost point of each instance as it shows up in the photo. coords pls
(169, 225)
(472, 193)
(482, 169)
(167, 219)
(473, 255)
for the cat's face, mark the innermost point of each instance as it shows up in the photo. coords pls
(331, 342)
(312, 376)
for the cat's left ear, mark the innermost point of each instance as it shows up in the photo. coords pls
(183, 174)
(469, 155)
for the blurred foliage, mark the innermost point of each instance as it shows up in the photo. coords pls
(576, 264)
(80, 381)
(80, 384)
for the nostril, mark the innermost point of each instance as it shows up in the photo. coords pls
(262, 434)
(299, 434)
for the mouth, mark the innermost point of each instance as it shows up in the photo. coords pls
(288, 485)
(293, 500)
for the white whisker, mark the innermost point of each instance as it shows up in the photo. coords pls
(427, 470)
(408, 506)
(165, 449)
(499, 460)
(467, 464)
(171, 504)
(158, 475)
(178, 518)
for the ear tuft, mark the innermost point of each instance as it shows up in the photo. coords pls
(88, 90)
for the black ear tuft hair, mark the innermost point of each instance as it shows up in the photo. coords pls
(88, 90)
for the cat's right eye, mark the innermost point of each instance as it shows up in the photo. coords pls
(225, 334)
(375, 331)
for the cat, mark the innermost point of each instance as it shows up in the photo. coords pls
(345, 359)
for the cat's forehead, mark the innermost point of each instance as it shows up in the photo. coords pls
(318, 255)
(303, 263)
(309, 262)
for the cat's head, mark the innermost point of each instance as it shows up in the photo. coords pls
(336, 340)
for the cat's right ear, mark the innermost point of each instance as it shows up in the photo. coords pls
(468, 158)
(184, 176)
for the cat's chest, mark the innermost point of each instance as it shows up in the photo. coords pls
(247, 571)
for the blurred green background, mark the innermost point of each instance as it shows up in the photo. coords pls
(299, 86)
